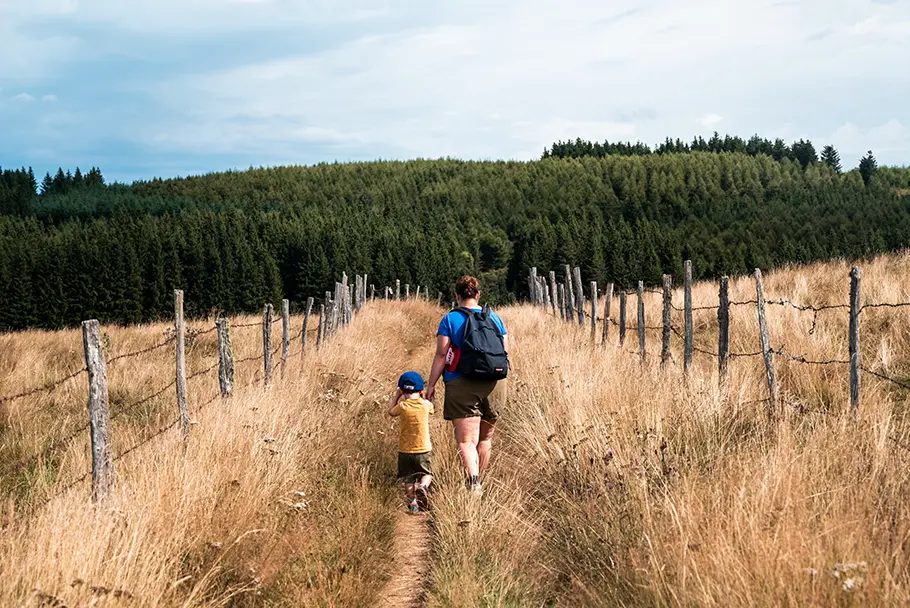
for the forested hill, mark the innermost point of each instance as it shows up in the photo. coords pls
(233, 240)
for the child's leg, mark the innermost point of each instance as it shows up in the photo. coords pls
(410, 491)
(425, 481)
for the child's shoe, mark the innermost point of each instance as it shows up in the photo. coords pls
(422, 498)
(413, 507)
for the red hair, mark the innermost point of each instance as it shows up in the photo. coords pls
(467, 287)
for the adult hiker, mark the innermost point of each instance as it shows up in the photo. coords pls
(472, 358)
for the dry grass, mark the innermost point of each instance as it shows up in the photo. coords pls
(620, 484)
(612, 483)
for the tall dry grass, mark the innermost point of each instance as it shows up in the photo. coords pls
(281, 496)
(614, 483)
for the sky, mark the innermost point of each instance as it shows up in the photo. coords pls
(177, 87)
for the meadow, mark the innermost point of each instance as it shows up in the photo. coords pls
(612, 483)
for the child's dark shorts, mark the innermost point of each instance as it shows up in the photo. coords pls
(411, 467)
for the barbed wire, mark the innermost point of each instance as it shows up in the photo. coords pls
(201, 332)
(885, 305)
(884, 377)
(46, 388)
(141, 351)
(203, 372)
(243, 325)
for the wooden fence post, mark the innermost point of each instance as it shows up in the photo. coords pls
(622, 318)
(723, 330)
(327, 317)
(554, 293)
(667, 321)
(641, 319)
(570, 292)
(319, 326)
(608, 301)
(855, 309)
(267, 312)
(99, 414)
(357, 288)
(687, 318)
(180, 342)
(348, 305)
(225, 357)
(562, 301)
(372, 293)
(285, 333)
(407, 291)
(593, 312)
(767, 353)
(579, 296)
(534, 286)
(306, 325)
(397, 289)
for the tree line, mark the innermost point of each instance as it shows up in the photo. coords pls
(234, 240)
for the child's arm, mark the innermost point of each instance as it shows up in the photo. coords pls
(393, 402)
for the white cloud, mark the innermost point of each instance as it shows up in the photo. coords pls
(709, 121)
(885, 139)
(48, 98)
(22, 97)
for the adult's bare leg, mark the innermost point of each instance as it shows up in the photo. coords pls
(485, 443)
(467, 436)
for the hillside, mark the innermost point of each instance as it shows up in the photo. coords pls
(232, 240)
(613, 483)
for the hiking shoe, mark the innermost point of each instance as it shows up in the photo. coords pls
(475, 489)
(413, 507)
(422, 498)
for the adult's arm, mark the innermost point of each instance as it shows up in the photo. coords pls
(439, 364)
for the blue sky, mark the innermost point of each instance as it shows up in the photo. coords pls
(166, 88)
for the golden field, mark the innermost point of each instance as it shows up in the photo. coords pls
(612, 482)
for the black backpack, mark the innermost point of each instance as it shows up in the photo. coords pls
(483, 352)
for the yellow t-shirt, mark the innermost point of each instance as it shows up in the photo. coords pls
(414, 437)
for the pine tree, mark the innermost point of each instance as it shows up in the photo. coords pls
(831, 158)
(867, 167)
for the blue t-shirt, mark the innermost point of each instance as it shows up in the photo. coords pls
(452, 326)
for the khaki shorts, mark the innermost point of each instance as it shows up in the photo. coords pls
(466, 398)
(412, 467)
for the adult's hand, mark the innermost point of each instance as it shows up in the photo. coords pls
(431, 393)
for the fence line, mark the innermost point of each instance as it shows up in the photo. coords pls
(342, 308)
(768, 352)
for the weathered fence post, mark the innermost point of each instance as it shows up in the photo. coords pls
(579, 296)
(855, 309)
(622, 318)
(372, 293)
(99, 415)
(562, 301)
(348, 305)
(439, 300)
(407, 291)
(320, 325)
(593, 312)
(397, 289)
(180, 342)
(267, 312)
(608, 301)
(554, 294)
(641, 319)
(687, 318)
(667, 321)
(336, 300)
(723, 330)
(570, 292)
(327, 317)
(533, 286)
(767, 353)
(357, 288)
(285, 334)
(306, 325)
(225, 357)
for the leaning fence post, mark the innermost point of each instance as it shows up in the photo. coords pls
(99, 415)
(641, 319)
(608, 297)
(687, 318)
(855, 309)
(570, 292)
(579, 296)
(225, 357)
(622, 318)
(285, 333)
(306, 325)
(180, 341)
(267, 343)
(667, 320)
(593, 312)
(723, 330)
(767, 353)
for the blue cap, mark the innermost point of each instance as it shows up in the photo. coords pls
(410, 382)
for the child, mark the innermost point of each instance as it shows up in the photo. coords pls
(414, 447)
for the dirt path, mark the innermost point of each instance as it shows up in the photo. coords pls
(410, 562)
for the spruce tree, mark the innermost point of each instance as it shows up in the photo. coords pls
(867, 167)
(831, 158)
